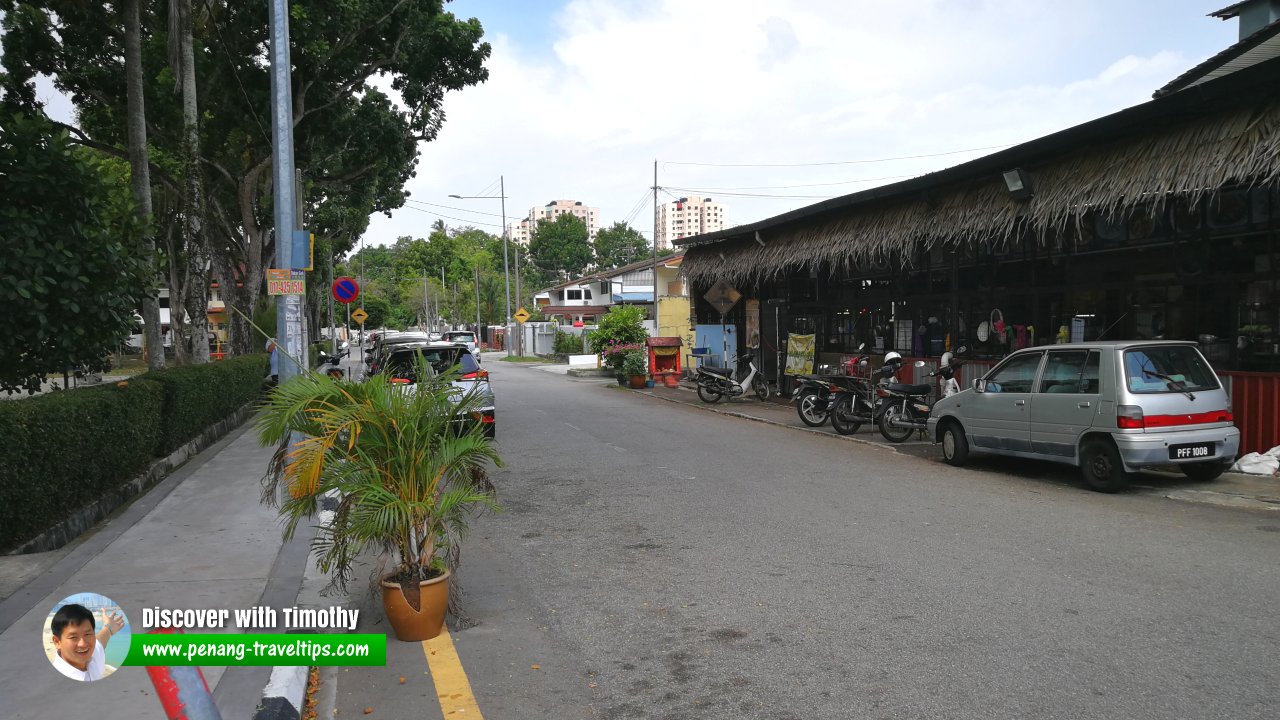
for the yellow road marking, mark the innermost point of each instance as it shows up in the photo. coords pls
(452, 686)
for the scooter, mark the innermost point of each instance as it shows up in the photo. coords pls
(328, 364)
(905, 409)
(715, 382)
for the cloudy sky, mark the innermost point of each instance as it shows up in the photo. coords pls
(808, 98)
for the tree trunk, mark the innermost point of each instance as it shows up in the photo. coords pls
(197, 245)
(140, 176)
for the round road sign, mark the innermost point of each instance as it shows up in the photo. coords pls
(345, 290)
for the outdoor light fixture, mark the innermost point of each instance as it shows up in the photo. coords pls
(759, 240)
(1018, 182)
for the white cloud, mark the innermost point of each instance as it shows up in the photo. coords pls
(764, 81)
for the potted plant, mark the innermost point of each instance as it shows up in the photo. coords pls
(634, 366)
(407, 465)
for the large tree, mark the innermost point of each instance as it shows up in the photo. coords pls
(561, 246)
(355, 146)
(72, 259)
(618, 245)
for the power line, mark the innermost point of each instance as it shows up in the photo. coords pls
(787, 187)
(450, 207)
(840, 162)
(757, 195)
(446, 217)
(748, 195)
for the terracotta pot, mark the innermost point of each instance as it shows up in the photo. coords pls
(414, 625)
(637, 381)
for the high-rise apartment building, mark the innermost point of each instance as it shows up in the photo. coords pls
(521, 231)
(687, 216)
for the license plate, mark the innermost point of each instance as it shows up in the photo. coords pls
(1191, 451)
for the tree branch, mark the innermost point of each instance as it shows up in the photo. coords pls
(79, 137)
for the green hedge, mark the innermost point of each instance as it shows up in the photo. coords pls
(64, 450)
(197, 396)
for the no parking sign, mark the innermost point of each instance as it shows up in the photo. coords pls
(345, 290)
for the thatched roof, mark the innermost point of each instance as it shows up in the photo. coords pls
(1189, 144)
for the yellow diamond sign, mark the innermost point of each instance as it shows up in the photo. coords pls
(360, 315)
(521, 315)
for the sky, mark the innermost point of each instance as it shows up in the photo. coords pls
(771, 105)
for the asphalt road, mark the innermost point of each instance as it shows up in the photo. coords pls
(657, 561)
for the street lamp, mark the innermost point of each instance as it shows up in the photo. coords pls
(502, 194)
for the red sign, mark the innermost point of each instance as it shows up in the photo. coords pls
(345, 290)
(577, 323)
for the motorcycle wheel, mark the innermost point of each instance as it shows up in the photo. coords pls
(761, 387)
(707, 395)
(891, 432)
(842, 417)
(808, 411)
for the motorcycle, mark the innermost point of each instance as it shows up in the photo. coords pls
(815, 395)
(905, 409)
(715, 382)
(856, 404)
(328, 364)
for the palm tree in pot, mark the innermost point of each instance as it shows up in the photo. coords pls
(406, 461)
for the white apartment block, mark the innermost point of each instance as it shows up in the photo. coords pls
(521, 231)
(687, 216)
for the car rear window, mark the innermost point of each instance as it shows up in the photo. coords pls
(1168, 369)
(460, 337)
(401, 362)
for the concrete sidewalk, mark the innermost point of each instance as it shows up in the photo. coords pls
(1232, 489)
(199, 539)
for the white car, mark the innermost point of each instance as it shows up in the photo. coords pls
(462, 337)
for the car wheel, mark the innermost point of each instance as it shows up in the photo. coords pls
(1101, 467)
(955, 446)
(1203, 472)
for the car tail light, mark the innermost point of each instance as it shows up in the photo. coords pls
(484, 417)
(477, 375)
(1213, 416)
(400, 381)
(1129, 417)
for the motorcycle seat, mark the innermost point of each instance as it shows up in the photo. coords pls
(716, 370)
(904, 389)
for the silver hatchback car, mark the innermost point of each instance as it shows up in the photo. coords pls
(1110, 408)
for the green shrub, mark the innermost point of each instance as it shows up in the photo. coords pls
(620, 331)
(197, 396)
(64, 450)
(634, 363)
(568, 344)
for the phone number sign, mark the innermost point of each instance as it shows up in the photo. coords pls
(286, 282)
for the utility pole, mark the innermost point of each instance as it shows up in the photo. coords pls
(479, 331)
(288, 307)
(502, 192)
(655, 248)
(444, 289)
(333, 327)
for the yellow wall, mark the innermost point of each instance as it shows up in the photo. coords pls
(673, 321)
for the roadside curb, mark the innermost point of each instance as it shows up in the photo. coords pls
(767, 421)
(283, 696)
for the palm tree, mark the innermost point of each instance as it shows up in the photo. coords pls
(407, 464)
